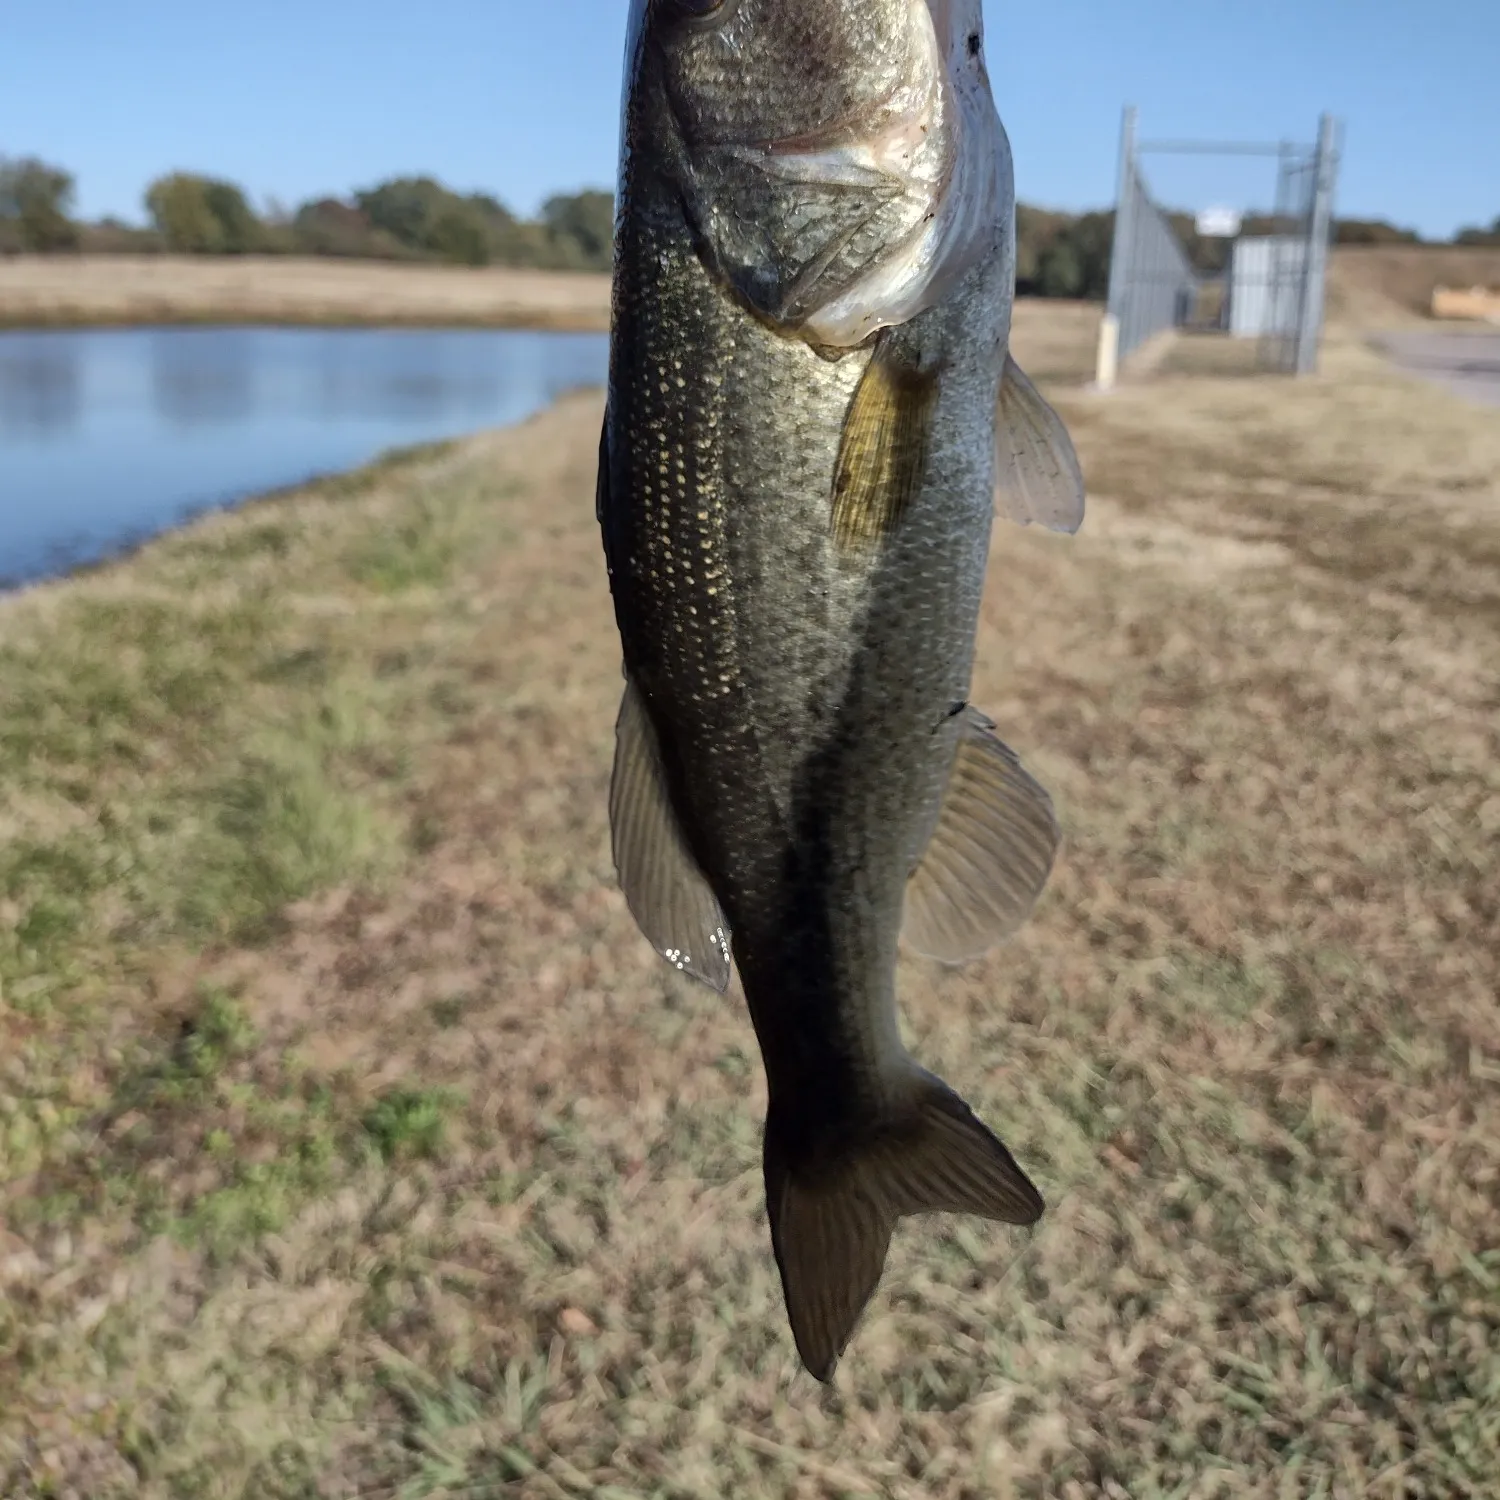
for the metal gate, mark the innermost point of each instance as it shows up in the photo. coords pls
(1265, 284)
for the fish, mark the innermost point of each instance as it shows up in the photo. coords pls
(812, 419)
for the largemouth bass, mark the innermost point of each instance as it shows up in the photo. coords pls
(810, 403)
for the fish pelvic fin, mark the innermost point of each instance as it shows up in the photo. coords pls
(833, 1209)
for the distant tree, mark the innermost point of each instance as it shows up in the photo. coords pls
(202, 215)
(1093, 237)
(178, 205)
(327, 226)
(585, 220)
(526, 243)
(111, 236)
(406, 208)
(1059, 269)
(238, 225)
(34, 203)
(1373, 232)
(1478, 236)
(459, 234)
(1036, 229)
(494, 213)
(425, 216)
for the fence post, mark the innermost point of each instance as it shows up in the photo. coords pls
(1310, 320)
(1119, 258)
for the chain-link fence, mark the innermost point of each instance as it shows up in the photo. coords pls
(1256, 277)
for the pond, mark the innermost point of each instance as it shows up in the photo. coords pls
(111, 435)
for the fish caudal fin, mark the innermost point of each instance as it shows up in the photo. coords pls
(832, 1212)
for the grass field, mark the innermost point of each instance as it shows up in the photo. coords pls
(83, 290)
(353, 1143)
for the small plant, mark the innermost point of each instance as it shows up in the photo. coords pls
(408, 1122)
(416, 552)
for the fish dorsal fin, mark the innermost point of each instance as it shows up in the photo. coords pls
(1038, 477)
(664, 888)
(989, 856)
(883, 449)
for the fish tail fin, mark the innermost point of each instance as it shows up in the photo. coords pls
(833, 1208)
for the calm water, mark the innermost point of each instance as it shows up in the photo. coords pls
(107, 436)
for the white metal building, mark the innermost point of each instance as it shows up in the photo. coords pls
(1266, 275)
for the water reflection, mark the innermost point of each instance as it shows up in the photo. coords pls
(202, 377)
(415, 377)
(39, 385)
(108, 434)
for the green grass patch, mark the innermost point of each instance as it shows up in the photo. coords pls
(409, 1123)
(417, 550)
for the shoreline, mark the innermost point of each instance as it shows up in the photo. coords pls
(387, 463)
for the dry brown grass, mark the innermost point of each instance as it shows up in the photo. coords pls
(1379, 286)
(358, 1145)
(58, 291)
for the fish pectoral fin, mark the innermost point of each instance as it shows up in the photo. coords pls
(883, 448)
(989, 856)
(664, 888)
(831, 1221)
(1038, 477)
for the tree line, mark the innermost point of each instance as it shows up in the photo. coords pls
(404, 218)
(420, 219)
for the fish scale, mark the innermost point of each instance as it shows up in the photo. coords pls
(797, 486)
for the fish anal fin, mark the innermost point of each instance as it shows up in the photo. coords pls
(832, 1212)
(670, 900)
(883, 449)
(1038, 478)
(989, 856)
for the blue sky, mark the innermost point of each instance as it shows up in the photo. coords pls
(296, 98)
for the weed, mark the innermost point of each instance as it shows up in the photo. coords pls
(406, 1123)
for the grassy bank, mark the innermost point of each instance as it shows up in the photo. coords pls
(353, 1143)
(109, 290)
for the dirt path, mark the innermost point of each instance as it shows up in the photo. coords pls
(1467, 363)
